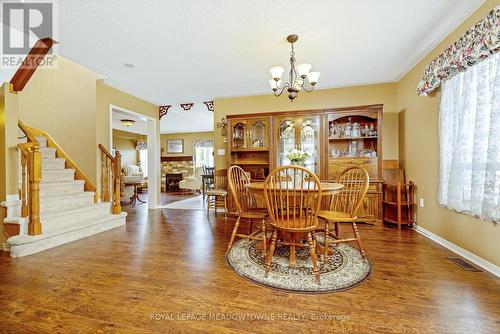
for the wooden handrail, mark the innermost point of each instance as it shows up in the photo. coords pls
(110, 179)
(105, 151)
(31, 63)
(32, 133)
(31, 137)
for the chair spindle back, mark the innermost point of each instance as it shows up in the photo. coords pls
(221, 179)
(293, 197)
(243, 198)
(356, 181)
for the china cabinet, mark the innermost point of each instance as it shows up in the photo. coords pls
(335, 139)
(355, 138)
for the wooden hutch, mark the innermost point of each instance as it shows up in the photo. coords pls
(336, 138)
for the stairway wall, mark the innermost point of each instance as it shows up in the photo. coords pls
(61, 101)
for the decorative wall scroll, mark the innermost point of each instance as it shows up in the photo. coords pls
(141, 145)
(164, 110)
(210, 105)
(186, 106)
(476, 44)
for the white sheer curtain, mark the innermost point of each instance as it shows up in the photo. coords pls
(469, 136)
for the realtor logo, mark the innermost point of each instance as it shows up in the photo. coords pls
(23, 24)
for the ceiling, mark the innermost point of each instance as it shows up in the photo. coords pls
(140, 126)
(197, 50)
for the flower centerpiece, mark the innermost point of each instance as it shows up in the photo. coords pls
(298, 157)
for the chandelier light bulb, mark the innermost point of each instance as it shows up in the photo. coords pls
(276, 72)
(313, 77)
(303, 70)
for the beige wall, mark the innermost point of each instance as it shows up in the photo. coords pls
(188, 137)
(321, 99)
(126, 143)
(107, 96)
(61, 102)
(419, 153)
(8, 149)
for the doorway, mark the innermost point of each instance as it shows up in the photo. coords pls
(147, 149)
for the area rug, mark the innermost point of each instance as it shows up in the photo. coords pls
(345, 268)
(194, 203)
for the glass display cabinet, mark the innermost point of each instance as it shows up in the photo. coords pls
(239, 134)
(259, 134)
(249, 144)
(302, 133)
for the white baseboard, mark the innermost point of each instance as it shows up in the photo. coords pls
(478, 261)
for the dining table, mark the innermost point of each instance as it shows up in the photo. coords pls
(327, 189)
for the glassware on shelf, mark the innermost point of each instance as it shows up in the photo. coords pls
(365, 131)
(372, 132)
(355, 132)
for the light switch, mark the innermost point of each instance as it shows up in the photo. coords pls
(221, 151)
(421, 203)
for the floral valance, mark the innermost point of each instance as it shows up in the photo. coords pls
(474, 45)
(141, 145)
(203, 143)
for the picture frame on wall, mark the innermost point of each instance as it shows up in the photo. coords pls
(175, 146)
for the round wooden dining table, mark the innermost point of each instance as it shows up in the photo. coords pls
(327, 188)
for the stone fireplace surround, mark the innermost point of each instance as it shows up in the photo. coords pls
(175, 165)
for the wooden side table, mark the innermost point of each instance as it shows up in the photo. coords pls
(135, 197)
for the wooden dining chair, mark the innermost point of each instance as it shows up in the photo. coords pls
(217, 197)
(208, 179)
(344, 207)
(293, 198)
(246, 208)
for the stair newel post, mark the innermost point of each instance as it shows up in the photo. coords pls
(117, 209)
(35, 175)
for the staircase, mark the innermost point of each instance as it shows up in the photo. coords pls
(67, 211)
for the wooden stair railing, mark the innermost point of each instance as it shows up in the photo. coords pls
(31, 169)
(110, 179)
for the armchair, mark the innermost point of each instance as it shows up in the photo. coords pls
(192, 183)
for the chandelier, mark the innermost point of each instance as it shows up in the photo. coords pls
(298, 76)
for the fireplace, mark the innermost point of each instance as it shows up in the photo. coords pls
(172, 182)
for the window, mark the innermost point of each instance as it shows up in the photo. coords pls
(204, 156)
(143, 158)
(469, 137)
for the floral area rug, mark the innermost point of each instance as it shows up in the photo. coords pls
(345, 269)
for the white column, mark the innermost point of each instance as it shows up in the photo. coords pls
(154, 178)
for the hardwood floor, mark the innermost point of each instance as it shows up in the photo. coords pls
(165, 272)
